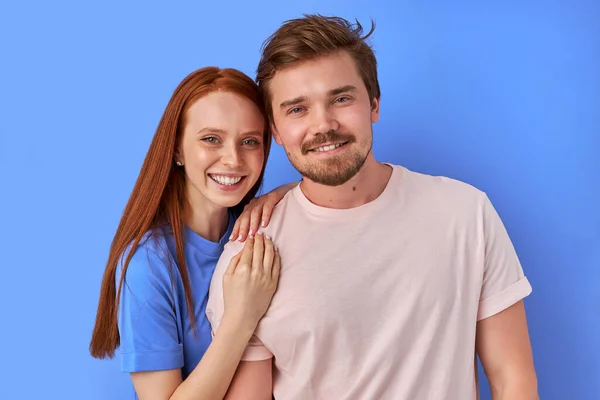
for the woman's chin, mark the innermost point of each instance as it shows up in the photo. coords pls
(227, 199)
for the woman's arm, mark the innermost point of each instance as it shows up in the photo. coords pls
(211, 377)
(248, 284)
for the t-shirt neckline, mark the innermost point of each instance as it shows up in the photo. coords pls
(384, 198)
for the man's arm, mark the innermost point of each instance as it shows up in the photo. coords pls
(505, 351)
(252, 381)
(502, 341)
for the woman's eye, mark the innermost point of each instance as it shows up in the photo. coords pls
(250, 142)
(211, 139)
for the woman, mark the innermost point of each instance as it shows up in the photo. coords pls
(205, 164)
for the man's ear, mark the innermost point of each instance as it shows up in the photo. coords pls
(275, 134)
(375, 110)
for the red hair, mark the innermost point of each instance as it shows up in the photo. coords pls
(159, 195)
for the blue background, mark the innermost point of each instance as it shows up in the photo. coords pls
(503, 95)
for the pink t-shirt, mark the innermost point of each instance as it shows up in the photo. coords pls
(381, 301)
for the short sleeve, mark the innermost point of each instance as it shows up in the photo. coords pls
(147, 321)
(255, 350)
(504, 282)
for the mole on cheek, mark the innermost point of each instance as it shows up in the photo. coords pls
(354, 188)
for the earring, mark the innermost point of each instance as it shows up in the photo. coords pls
(179, 163)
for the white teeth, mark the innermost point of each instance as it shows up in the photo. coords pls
(226, 180)
(329, 148)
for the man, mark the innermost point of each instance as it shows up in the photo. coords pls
(391, 281)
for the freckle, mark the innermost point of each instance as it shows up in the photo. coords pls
(354, 188)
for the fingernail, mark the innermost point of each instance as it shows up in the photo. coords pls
(231, 237)
(263, 224)
(275, 247)
(251, 232)
(259, 233)
(240, 237)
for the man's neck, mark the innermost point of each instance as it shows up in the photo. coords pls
(363, 188)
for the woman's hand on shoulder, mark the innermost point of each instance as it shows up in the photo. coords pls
(257, 213)
(250, 281)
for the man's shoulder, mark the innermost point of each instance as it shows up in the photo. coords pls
(279, 216)
(286, 202)
(440, 185)
(441, 195)
(229, 251)
(232, 248)
(284, 213)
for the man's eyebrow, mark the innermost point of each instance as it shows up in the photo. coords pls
(342, 89)
(292, 102)
(332, 92)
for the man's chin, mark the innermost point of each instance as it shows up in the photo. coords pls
(328, 177)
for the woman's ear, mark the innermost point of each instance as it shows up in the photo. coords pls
(178, 158)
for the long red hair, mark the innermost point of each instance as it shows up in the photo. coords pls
(159, 196)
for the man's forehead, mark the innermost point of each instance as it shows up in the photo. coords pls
(313, 78)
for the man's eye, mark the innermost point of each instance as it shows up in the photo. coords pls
(342, 99)
(295, 110)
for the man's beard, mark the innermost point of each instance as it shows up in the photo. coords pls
(335, 170)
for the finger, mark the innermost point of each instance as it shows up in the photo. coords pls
(259, 249)
(246, 258)
(244, 221)
(269, 255)
(233, 263)
(267, 210)
(276, 266)
(255, 218)
(236, 229)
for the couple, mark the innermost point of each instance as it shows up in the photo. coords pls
(367, 280)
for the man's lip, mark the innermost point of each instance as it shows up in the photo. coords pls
(326, 144)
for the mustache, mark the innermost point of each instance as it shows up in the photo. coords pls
(322, 138)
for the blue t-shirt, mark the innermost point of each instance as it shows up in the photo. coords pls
(154, 324)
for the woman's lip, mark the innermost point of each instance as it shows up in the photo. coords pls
(229, 175)
(229, 188)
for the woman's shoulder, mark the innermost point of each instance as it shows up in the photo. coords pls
(151, 257)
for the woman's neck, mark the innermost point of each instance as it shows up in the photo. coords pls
(207, 220)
